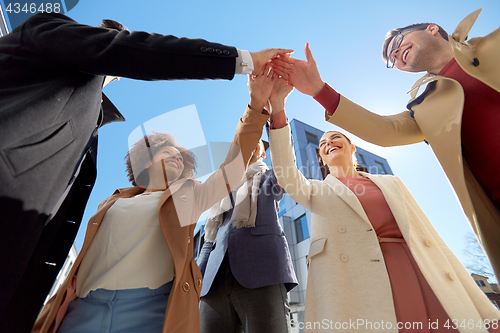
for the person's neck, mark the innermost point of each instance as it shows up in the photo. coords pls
(343, 171)
(157, 184)
(441, 62)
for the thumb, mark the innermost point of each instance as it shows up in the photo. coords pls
(308, 53)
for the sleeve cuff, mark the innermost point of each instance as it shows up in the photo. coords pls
(244, 62)
(279, 120)
(328, 98)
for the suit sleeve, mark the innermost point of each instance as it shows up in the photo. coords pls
(385, 131)
(137, 55)
(203, 256)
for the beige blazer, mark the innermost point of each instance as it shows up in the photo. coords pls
(438, 119)
(178, 210)
(347, 279)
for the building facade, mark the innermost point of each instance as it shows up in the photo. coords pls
(491, 290)
(294, 218)
(63, 273)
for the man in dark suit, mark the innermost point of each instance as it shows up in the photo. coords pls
(52, 71)
(245, 261)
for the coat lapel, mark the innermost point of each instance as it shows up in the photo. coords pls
(347, 195)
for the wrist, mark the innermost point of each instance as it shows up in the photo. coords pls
(256, 105)
(277, 107)
(319, 86)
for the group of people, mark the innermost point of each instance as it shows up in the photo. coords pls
(374, 255)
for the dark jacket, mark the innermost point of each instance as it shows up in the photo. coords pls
(51, 75)
(258, 256)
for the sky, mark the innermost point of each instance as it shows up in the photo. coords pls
(346, 40)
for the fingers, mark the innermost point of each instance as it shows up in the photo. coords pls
(285, 60)
(308, 53)
(285, 74)
(281, 52)
(266, 69)
(279, 63)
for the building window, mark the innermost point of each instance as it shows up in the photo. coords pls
(495, 303)
(381, 168)
(282, 207)
(361, 159)
(301, 228)
(480, 283)
(311, 138)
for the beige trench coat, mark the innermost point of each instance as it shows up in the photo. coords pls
(348, 280)
(179, 209)
(438, 119)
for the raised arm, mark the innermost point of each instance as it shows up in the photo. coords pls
(288, 176)
(393, 130)
(248, 133)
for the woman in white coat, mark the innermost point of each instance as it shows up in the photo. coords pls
(376, 264)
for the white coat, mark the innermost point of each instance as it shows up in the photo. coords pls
(348, 280)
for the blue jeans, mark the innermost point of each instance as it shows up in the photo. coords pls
(118, 311)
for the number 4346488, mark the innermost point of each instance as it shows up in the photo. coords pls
(33, 8)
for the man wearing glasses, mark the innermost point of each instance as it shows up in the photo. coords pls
(458, 114)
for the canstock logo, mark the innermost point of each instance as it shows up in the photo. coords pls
(182, 127)
(18, 11)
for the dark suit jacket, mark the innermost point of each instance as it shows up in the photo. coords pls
(51, 76)
(258, 256)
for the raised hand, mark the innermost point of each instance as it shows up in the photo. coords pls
(260, 87)
(303, 75)
(262, 57)
(280, 92)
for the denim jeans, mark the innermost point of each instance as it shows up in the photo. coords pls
(118, 311)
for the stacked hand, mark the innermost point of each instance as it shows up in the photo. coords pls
(260, 87)
(261, 58)
(303, 75)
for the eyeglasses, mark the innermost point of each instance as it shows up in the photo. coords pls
(396, 43)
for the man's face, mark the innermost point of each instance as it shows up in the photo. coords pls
(417, 51)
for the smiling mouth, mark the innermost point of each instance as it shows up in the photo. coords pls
(173, 163)
(331, 150)
(405, 54)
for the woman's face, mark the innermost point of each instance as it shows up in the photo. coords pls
(170, 159)
(335, 149)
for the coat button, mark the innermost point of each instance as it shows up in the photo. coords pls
(226, 52)
(451, 276)
(344, 258)
(184, 198)
(185, 286)
(203, 49)
(189, 240)
(341, 230)
(428, 242)
(198, 283)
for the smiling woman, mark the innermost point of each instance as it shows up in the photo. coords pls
(137, 257)
(368, 230)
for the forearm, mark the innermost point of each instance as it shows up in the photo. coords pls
(220, 183)
(288, 176)
(393, 130)
(137, 55)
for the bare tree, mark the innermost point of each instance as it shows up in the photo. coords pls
(477, 262)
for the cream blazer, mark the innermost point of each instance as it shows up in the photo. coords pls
(438, 119)
(348, 280)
